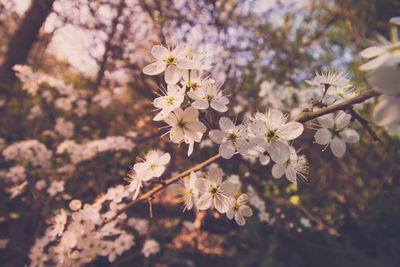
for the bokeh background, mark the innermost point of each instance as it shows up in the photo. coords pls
(347, 214)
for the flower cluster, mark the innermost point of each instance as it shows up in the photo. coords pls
(78, 237)
(30, 150)
(87, 151)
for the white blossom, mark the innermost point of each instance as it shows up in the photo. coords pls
(168, 61)
(150, 247)
(171, 100)
(214, 191)
(336, 133)
(209, 96)
(154, 165)
(231, 138)
(239, 210)
(295, 167)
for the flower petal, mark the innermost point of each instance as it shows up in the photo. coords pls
(204, 201)
(342, 119)
(227, 188)
(386, 111)
(227, 150)
(172, 75)
(278, 170)
(338, 147)
(323, 136)
(372, 51)
(154, 68)
(275, 119)
(226, 124)
(215, 176)
(217, 136)
(376, 62)
(200, 104)
(264, 159)
(290, 130)
(326, 121)
(219, 106)
(245, 211)
(239, 219)
(159, 52)
(279, 151)
(349, 136)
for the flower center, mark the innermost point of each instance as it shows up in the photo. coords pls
(271, 135)
(181, 124)
(213, 191)
(233, 137)
(170, 101)
(209, 98)
(171, 61)
(153, 166)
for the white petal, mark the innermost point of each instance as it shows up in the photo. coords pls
(279, 151)
(290, 173)
(372, 51)
(181, 50)
(326, 121)
(190, 114)
(242, 199)
(264, 159)
(172, 75)
(386, 78)
(349, 136)
(227, 150)
(338, 147)
(176, 135)
(323, 136)
(164, 159)
(245, 211)
(230, 214)
(258, 128)
(201, 185)
(290, 130)
(226, 124)
(217, 136)
(278, 170)
(159, 52)
(200, 104)
(154, 68)
(221, 203)
(239, 219)
(376, 62)
(204, 202)
(386, 111)
(275, 119)
(227, 188)
(158, 171)
(215, 176)
(219, 106)
(342, 119)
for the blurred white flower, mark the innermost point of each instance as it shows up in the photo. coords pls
(209, 96)
(379, 54)
(190, 193)
(239, 210)
(150, 247)
(55, 188)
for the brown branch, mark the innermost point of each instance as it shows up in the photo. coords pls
(365, 124)
(308, 115)
(158, 188)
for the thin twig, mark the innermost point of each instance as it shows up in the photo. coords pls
(151, 207)
(307, 115)
(162, 186)
(365, 124)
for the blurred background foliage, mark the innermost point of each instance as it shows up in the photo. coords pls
(352, 203)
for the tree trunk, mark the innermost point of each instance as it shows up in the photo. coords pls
(24, 38)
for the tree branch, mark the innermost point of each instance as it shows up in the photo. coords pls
(308, 115)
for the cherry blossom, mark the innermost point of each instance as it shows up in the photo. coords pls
(272, 133)
(214, 191)
(172, 99)
(168, 61)
(336, 133)
(239, 210)
(231, 138)
(209, 96)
